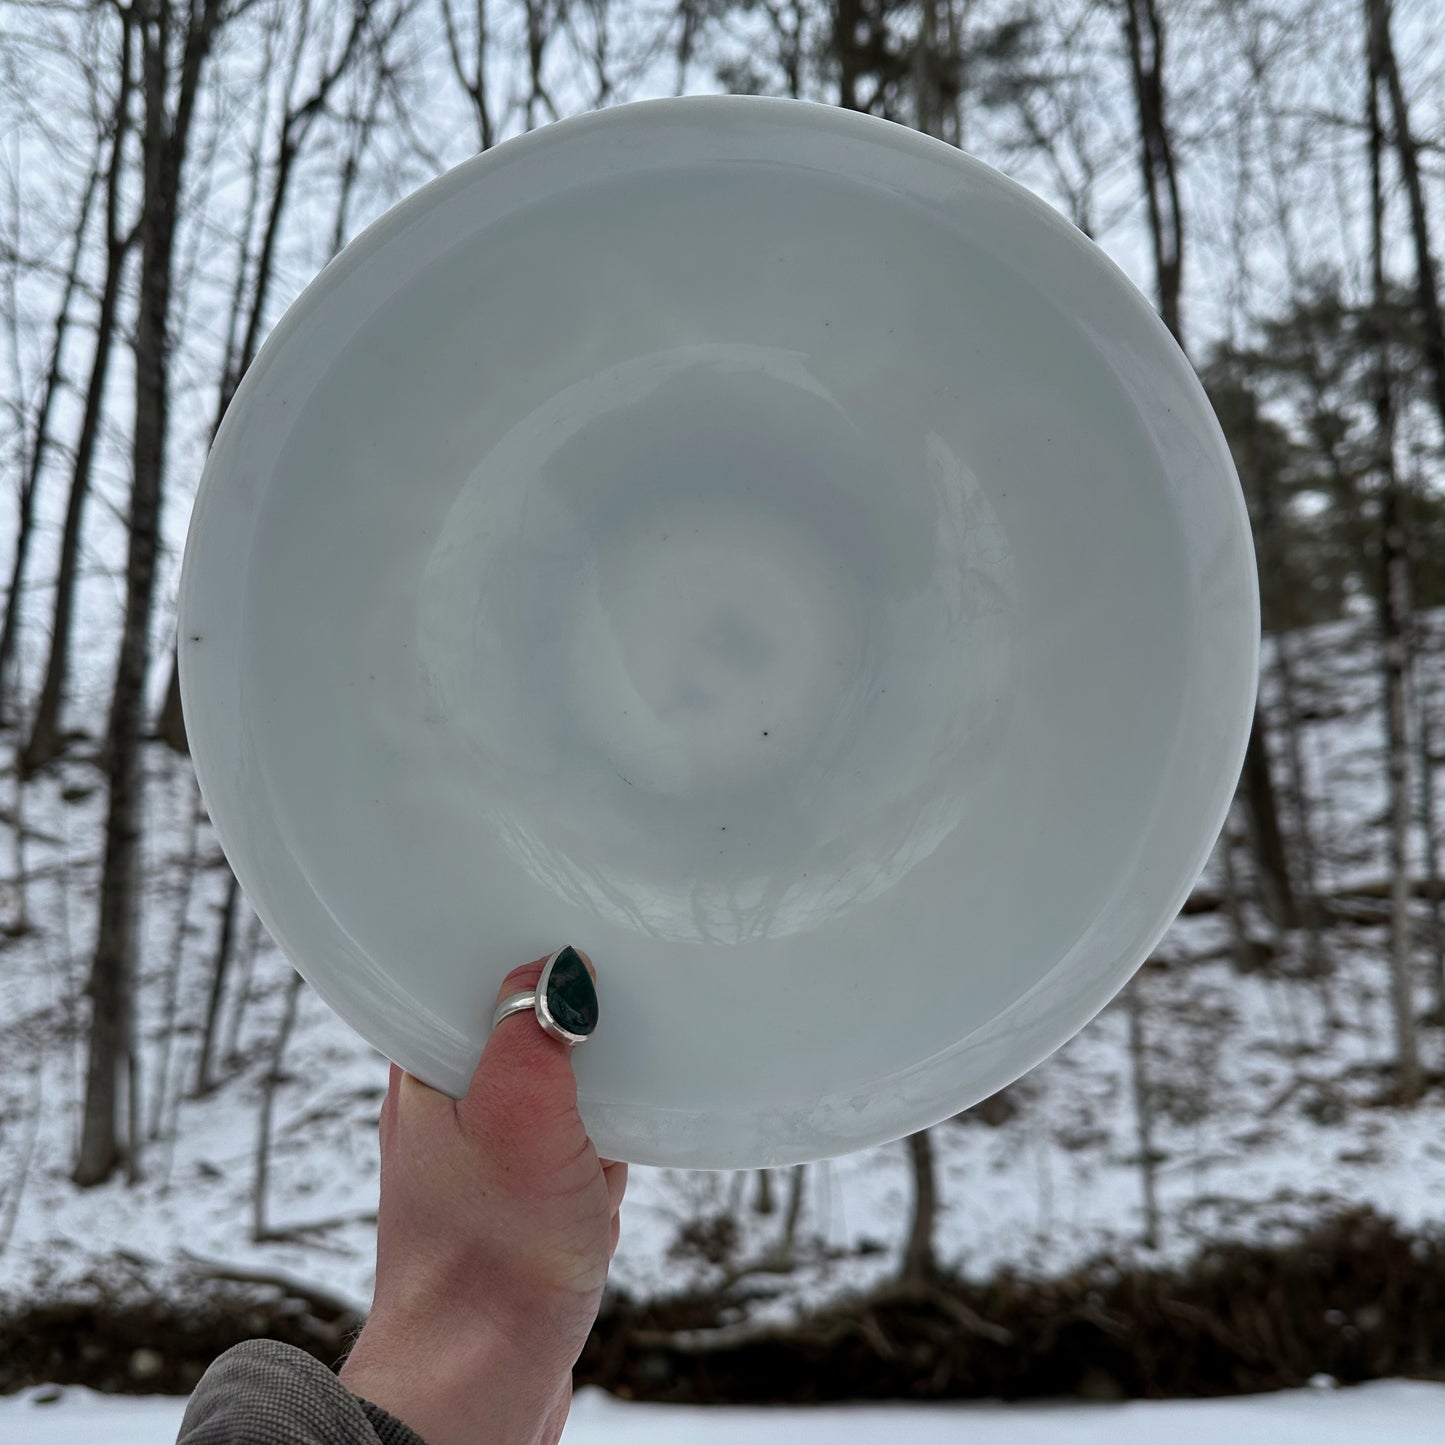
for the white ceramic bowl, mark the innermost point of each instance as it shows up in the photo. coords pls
(753, 542)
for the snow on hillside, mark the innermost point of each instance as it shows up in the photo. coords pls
(1268, 1108)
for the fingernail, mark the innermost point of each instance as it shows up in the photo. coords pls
(571, 996)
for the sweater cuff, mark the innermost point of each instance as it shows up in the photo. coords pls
(264, 1390)
(389, 1430)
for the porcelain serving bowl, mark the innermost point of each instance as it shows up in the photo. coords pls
(757, 544)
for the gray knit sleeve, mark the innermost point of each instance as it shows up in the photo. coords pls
(265, 1393)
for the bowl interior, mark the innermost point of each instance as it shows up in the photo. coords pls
(754, 572)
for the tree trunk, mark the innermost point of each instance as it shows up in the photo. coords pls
(1407, 151)
(243, 993)
(1248, 955)
(35, 461)
(112, 1035)
(1144, 34)
(1266, 837)
(1433, 346)
(1309, 907)
(1285, 906)
(296, 121)
(113, 971)
(919, 1261)
(45, 734)
(539, 32)
(171, 720)
(1430, 826)
(689, 18)
(1143, 1112)
(951, 128)
(1394, 619)
(1393, 596)
(260, 1231)
(1261, 470)
(18, 1169)
(847, 18)
(20, 925)
(788, 25)
(1145, 40)
(475, 82)
(763, 1198)
(793, 1212)
(170, 1003)
(204, 1082)
(927, 98)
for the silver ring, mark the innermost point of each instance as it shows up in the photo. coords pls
(564, 1002)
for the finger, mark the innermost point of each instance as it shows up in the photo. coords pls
(386, 1123)
(412, 1099)
(616, 1176)
(523, 1094)
(527, 975)
(616, 1235)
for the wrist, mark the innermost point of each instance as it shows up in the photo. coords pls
(470, 1387)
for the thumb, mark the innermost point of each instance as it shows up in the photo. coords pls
(523, 1095)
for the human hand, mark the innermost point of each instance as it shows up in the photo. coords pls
(496, 1226)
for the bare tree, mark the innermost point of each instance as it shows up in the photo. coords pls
(171, 722)
(1052, 118)
(928, 72)
(112, 1057)
(171, 996)
(1262, 453)
(1430, 826)
(1386, 71)
(593, 47)
(1143, 1109)
(297, 121)
(690, 24)
(272, 1080)
(1248, 951)
(249, 949)
(1307, 896)
(220, 970)
(847, 47)
(1394, 601)
(18, 1171)
(1144, 33)
(360, 122)
(472, 74)
(920, 1260)
(298, 117)
(763, 1196)
(797, 1176)
(541, 17)
(40, 440)
(1432, 345)
(45, 736)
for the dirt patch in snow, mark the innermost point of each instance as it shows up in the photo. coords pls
(1355, 1298)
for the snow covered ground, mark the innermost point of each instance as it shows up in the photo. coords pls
(1267, 1088)
(1400, 1412)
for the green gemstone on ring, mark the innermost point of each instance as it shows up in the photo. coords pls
(570, 994)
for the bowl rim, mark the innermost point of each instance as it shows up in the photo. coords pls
(216, 565)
